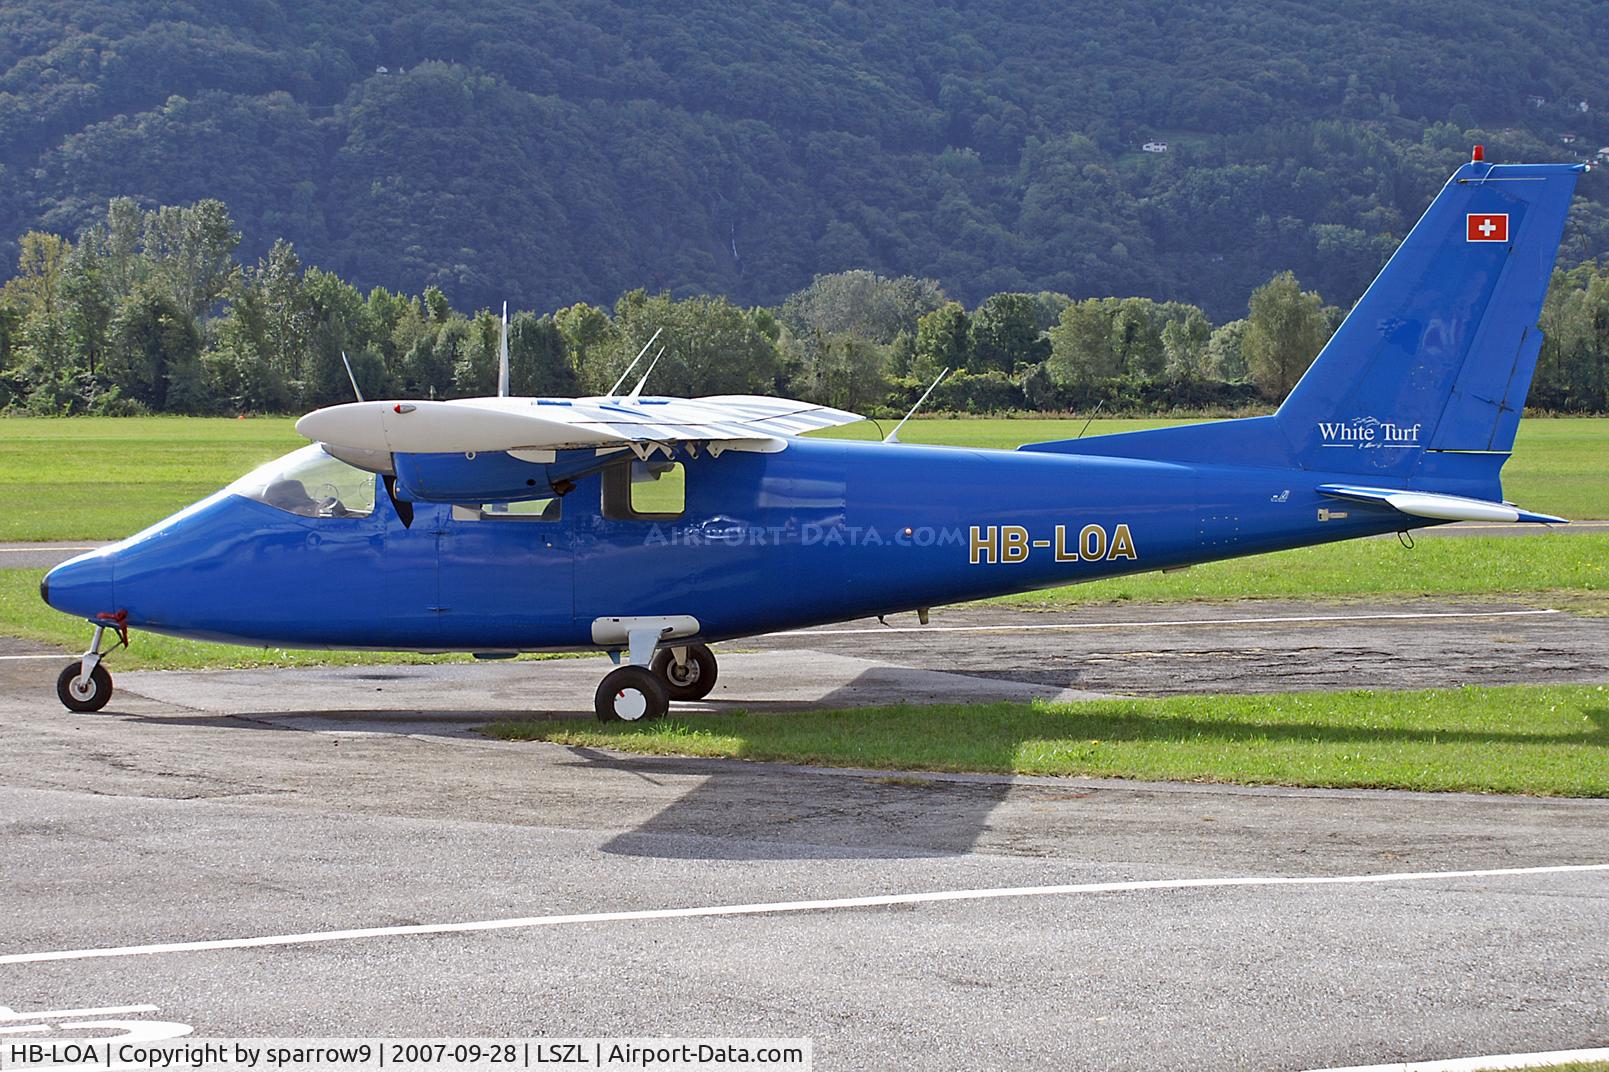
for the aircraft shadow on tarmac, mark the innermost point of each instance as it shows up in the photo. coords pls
(736, 810)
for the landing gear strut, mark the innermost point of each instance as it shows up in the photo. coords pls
(85, 685)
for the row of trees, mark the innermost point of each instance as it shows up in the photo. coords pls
(149, 311)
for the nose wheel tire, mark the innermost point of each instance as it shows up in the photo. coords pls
(691, 680)
(631, 694)
(91, 696)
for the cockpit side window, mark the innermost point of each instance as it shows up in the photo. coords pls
(645, 491)
(310, 483)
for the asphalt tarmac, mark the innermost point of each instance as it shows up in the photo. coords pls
(299, 806)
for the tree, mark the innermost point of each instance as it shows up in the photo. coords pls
(154, 353)
(475, 370)
(1184, 346)
(592, 341)
(862, 303)
(1137, 337)
(1005, 333)
(437, 307)
(710, 346)
(36, 292)
(1572, 371)
(338, 322)
(1225, 359)
(943, 341)
(88, 297)
(126, 268)
(238, 367)
(282, 301)
(191, 251)
(847, 372)
(1081, 343)
(539, 358)
(1285, 329)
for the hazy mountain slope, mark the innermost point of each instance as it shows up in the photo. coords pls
(549, 152)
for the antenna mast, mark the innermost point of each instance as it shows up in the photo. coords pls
(893, 437)
(502, 357)
(351, 377)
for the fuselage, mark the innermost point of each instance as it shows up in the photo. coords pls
(823, 531)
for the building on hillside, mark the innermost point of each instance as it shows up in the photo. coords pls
(1536, 102)
(1568, 139)
(1154, 147)
(1581, 106)
(1603, 155)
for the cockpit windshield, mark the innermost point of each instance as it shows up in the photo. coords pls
(310, 483)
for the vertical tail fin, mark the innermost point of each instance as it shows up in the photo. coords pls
(1436, 358)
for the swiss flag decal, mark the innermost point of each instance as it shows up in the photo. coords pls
(1488, 227)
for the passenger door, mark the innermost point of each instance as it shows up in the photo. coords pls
(506, 575)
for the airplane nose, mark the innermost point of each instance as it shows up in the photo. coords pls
(81, 586)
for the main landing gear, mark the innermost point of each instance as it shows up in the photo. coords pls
(635, 692)
(85, 685)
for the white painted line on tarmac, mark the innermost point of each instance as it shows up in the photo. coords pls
(786, 907)
(58, 655)
(63, 1014)
(45, 547)
(1288, 619)
(1481, 1064)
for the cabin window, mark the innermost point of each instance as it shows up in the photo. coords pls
(310, 483)
(645, 491)
(526, 510)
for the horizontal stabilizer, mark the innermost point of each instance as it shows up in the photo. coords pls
(1439, 507)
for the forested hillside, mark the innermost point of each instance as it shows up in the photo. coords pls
(557, 151)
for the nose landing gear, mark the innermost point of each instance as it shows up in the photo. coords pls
(86, 685)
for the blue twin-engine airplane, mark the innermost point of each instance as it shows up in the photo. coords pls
(650, 527)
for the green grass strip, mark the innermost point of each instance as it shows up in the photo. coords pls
(1541, 740)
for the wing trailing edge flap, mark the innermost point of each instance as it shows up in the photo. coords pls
(1439, 507)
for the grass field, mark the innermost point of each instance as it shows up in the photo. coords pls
(102, 478)
(1551, 741)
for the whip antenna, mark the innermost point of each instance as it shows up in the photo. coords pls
(634, 361)
(893, 437)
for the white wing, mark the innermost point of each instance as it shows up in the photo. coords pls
(738, 422)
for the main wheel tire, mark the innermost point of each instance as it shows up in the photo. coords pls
(692, 680)
(92, 696)
(631, 694)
